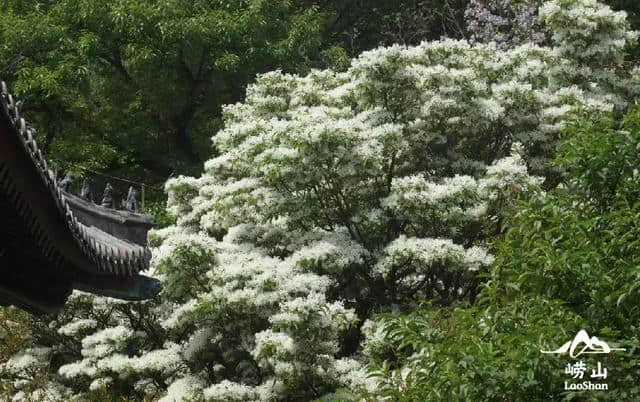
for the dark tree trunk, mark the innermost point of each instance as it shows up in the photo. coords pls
(185, 144)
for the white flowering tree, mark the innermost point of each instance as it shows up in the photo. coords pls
(336, 196)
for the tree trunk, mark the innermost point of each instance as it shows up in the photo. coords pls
(184, 142)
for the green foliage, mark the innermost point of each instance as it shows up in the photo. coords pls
(478, 354)
(117, 84)
(579, 243)
(14, 335)
(358, 25)
(159, 211)
(569, 261)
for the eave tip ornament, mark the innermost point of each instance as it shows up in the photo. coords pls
(52, 241)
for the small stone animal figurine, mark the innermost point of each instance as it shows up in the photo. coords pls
(66, 183)
(107, 198)
(86, 193)
(131, 204)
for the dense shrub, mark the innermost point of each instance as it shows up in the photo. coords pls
(569, 262)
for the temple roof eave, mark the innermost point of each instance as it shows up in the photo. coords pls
(79, 244)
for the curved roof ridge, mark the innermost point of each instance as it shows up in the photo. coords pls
(124, 261)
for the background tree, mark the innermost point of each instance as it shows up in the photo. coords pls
(359, 25)
(111, 86)
(114, 85)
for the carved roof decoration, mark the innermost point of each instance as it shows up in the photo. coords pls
(89, 244)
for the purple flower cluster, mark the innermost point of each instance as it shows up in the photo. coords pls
(506, 22)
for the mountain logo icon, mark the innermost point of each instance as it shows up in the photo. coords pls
(583, 344)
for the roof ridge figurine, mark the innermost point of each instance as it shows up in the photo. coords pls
(131, 203)
(107, 197)
(86, 193)
(52, 241)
